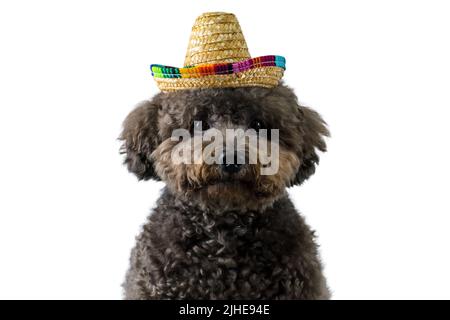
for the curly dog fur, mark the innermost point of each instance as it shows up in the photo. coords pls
(212, 236)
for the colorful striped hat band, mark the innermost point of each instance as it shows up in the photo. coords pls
(217, 57)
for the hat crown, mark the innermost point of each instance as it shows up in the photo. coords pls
(216, 37)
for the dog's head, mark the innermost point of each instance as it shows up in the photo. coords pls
(232, 181)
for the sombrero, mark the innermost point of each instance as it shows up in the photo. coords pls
(218, 57)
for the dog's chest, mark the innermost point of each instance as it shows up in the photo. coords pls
(232, 258)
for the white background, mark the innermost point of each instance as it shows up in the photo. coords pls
(378, 72)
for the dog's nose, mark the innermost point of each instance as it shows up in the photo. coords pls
(233, 167)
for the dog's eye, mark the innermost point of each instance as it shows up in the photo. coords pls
(257, 125)
(199, 126)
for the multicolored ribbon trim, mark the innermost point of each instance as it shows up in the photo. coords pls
(160, 71)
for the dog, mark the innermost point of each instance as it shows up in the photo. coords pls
(224, 231)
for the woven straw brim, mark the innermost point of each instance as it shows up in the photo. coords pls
(267, 77)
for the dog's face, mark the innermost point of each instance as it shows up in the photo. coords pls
(233, 184)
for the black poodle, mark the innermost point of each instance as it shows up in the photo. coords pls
(221, 232)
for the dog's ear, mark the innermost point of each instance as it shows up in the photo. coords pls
(140, 137)
(313, 130)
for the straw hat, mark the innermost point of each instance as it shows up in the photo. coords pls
(218, 57)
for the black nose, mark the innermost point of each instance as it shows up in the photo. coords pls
(231, 167)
